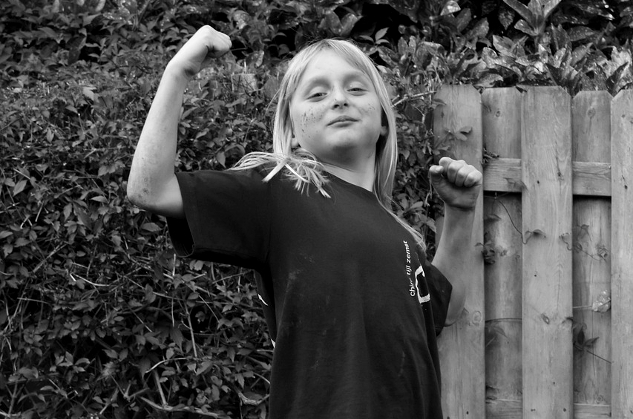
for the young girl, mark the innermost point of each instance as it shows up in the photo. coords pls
(351, 302)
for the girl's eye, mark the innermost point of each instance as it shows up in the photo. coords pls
(316, 95)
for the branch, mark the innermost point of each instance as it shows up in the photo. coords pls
(171, 409)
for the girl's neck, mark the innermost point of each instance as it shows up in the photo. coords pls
(363, 177)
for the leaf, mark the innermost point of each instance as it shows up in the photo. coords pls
(22, 241)
(83, 217)
(489, 80)
(19, 187)
(150, 296)
(87, 19)
(221, 158)
(525, 27)
(347, 24)
(48, 32)
(506, 17)
(103, 170)
(101, 199)
(480, 30)
(4, 234)
(458, 135)
(450, 7)
(548, 7)
(144, 365)
(579, 33)
(111, 353)
(151, 227)
(520, 8)
(204, 367)
(67, 210)
(89, 93)
(176, 335)
(30, 373)
(381, 33)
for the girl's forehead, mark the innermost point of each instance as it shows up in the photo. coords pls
(330, 63)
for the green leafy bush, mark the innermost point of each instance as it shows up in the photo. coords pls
(98, 317)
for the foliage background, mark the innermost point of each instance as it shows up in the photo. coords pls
(98, 318)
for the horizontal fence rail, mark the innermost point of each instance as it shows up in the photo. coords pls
(547, 330)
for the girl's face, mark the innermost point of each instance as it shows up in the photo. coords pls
(335, 112)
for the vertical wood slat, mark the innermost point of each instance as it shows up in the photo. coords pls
(461, 346)
(622, 254)
(591, 134)
(547, 263)
(502, 215)
(547, 299)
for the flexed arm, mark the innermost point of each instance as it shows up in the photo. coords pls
(459, 186)
(152, 184)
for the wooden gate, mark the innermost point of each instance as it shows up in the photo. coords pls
(537, 338)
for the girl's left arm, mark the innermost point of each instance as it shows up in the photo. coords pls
(459, 185)
(455, 256)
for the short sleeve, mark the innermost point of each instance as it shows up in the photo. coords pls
(227, 217)
(440, 290)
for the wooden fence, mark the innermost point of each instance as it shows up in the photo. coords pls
(556, 218)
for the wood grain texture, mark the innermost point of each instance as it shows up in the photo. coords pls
(589, 178)
(502, 215)
(461, 345)
(622, 254)
(511, 409)
(591, 134)
(546, 167)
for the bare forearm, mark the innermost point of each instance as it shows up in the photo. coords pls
(456, 255)
(152, 184)
(153, 163)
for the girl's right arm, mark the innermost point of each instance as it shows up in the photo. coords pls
(152, 184)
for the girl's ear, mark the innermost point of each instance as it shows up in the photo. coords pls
(384, 130)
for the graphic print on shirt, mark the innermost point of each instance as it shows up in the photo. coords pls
(417, 288)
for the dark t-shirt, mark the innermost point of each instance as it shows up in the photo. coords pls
(353, 307)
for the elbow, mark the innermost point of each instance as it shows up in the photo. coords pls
(455, 307)
(137, 195)
(450, 320)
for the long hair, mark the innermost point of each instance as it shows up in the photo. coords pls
(301, 165)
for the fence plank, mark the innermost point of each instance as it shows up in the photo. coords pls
(461, 346)
(591, 134)
(621, 255)
(502, 215)
(511, 409)
(547, 264)
(590, 178)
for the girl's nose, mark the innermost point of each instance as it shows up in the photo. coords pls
(339, 98)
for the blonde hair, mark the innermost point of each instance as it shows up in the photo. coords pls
(301, 165)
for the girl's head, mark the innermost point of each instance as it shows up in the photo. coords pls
(385, 146)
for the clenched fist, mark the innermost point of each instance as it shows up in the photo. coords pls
(456, 182)
(205, 45)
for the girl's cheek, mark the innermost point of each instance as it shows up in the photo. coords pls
(369, 109)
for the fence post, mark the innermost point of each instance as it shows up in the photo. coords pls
(461, 345)
(591, 134)
(502, 219)
(546, 168)
(622, 254)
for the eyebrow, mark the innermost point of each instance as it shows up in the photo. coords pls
(356, 74)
